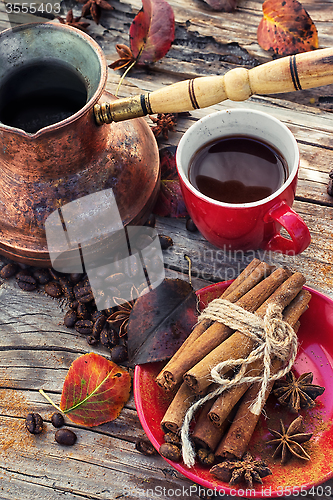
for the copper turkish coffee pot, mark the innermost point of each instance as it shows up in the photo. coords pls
(53, 149)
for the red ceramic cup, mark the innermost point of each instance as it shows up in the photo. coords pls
(246, 226)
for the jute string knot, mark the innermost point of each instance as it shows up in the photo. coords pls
(275, 338)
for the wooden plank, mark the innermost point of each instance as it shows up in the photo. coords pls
(98, 466)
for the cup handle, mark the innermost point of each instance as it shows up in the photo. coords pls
(293, 224)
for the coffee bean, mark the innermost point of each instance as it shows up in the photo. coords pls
(82, 311)
(108, 337)
(66, 437)
(144, 446)
(57, 420)
(205, 457)
(73, 305)
(84, 326)
(115, 279)
(96, 314)
(118, 353)
(34, 423)
(54, 274)
(98, 326)
(131, 268)
(67, 288)
(53, 288)
(92, 340)
(26, 281)
(190, 226)
(75, 277)
(8, 270)
(171, 437)
(84, 294)
(165, 241)
(170, 451)
(70, 318)
(42, 276)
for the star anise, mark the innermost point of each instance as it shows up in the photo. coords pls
(94, 8)
(125, 57)
(247, 469)
(288, 441)
(297, 393)
(120, 318)
(73, 21)
(165, 123)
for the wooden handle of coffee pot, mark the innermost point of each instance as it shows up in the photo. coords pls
(296, 72)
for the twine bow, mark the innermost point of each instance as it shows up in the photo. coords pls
(275, 338)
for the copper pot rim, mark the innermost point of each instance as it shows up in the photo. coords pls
(90, 103)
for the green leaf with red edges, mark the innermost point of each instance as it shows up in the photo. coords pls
(95, 390)
(152, 31)
(170, 202)
(286, 28)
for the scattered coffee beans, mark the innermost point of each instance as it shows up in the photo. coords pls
(65, 437)
(57, 420)
(34, 423)
(42, 276)
(190, 226)
(74, 291)
(84, 326)
(53, 288)
(172, 438)
(205, 457)
(70, 318)
(144, 446)
(26, 281)
(8, 270)
(165, 241)
(118, 353)
(170, 451)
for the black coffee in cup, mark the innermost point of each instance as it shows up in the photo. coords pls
(237, 169)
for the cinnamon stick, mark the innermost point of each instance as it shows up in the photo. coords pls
(223, 405)
(174, 416)
(226, 401)
(205, 433)
(236, 440)
(193, 349)
(239, 345)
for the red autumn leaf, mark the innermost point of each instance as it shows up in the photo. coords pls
(286, 28)
(170, 202)
(152, 31)
(95, 390)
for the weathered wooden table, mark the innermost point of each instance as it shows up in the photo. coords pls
(37, 349)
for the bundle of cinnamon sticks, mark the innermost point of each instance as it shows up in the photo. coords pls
(226, 424)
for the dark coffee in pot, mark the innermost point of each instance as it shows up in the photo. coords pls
(237, 169)
(40, 94)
